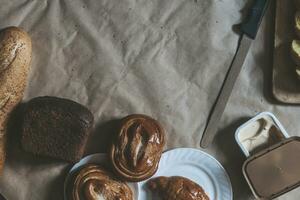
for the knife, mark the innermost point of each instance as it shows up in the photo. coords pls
(249, 30)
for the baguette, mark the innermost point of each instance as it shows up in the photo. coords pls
(15, 60)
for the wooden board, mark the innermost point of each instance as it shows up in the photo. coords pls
(286, 85)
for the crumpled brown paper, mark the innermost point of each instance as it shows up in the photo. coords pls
(163, 58)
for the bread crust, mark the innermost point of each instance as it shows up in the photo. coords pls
(15, 60)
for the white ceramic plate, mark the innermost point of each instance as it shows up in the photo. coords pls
(197, 166)
(98, 158)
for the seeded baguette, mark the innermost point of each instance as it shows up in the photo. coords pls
(15, 60)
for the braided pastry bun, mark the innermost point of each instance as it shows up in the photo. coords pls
(93, 182)
(136, 152)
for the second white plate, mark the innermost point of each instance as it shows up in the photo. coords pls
(196, 165)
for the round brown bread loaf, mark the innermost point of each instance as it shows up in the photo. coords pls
(56, 127)
(15, 59)
(136, 152)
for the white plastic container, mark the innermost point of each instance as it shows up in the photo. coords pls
(260, 132)
(272, 167)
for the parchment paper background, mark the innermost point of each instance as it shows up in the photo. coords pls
(163, 58)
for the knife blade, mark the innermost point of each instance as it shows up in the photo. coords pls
(249, 31)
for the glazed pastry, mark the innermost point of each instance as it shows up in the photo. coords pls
(56, 127)
(94, 182)
(15, 61)
(176, 187)
(136, 152)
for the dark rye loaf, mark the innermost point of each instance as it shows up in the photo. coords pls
(56, 127)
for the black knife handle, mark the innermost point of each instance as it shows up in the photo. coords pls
(250, 27)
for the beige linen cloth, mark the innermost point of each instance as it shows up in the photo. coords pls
(163, 58)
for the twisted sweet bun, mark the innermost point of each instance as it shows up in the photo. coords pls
(93, 182)
(136, 152)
